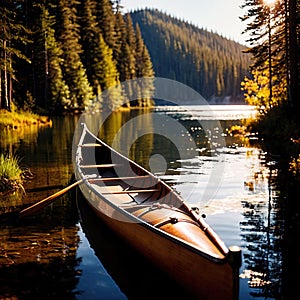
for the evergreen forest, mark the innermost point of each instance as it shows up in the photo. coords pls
(60, 55)
(212, 65)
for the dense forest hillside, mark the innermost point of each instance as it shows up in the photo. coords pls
(60, 55)
(209, 63)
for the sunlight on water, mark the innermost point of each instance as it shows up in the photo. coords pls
(210, 112)
(243, 181)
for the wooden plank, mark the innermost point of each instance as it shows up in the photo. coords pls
(120, 178)
(90, 145)
(100, 166)
(120, 199)
(131, 191)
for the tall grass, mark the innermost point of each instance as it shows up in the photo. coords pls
(10, 174)
(9, 167)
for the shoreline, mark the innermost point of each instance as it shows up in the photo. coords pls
(15, 120)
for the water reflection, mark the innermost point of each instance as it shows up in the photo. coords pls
(253, 197)
(21, 136)
(38, 255)
(261, 232)
(255, 206)
(129, 142)
(45, 151)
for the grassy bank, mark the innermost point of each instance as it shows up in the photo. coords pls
(14, 120)
(12, 175)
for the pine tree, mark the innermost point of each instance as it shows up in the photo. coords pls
(219, 80)
(106, 72)
(107, 76)
(51, 92)
(126, 62)
(106, 20)
(129, 50)
(90, 34)
(144, 69)
(74, 72)
(59, 93)
(120, 41)
(293, 55)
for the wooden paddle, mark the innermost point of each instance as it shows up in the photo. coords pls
(45, 202)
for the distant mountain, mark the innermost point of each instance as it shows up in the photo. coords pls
(207, 62)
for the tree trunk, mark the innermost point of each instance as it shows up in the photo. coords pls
(6, 99)
(1, 105)
(293, 48)
(10, 91)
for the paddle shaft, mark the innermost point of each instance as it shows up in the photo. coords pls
(45, 202)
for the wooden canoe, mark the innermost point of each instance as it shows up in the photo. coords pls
(155, 220)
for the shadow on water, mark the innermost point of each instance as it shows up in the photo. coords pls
(288, 218)
(270, 232)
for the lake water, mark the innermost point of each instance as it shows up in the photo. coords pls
(240, 188)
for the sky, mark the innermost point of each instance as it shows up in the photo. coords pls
(220, 16)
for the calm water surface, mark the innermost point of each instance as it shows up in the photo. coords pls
(57, 253)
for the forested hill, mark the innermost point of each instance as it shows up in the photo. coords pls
(207, 62)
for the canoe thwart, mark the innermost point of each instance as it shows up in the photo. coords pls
(132, 191)
(100, 166)
(121, 178)
(90, 145)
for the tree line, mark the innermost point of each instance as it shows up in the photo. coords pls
(209, 63)
(273, 87)
(61, 55)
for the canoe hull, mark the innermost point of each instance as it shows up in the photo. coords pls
(202, 277)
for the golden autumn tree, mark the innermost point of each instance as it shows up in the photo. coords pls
(257, 90)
